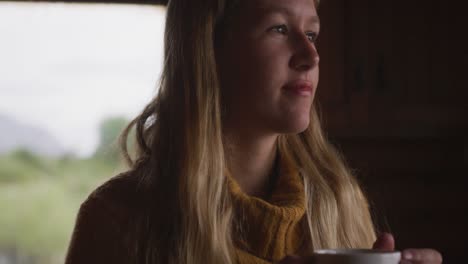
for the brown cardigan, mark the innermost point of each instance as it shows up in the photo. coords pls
(272, 229)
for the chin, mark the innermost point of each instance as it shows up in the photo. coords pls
(295, 126)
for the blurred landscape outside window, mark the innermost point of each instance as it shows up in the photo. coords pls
(71, 77)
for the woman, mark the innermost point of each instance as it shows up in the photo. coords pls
(231, 164)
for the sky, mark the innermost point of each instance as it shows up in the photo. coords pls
(66, 67)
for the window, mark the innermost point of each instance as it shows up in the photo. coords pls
(66, 72)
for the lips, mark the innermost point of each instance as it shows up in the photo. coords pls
(299, 87)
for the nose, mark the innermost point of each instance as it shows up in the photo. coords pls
(305, 56)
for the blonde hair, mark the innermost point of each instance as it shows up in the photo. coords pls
(180, 159)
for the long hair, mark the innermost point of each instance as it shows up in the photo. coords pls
(179, 157)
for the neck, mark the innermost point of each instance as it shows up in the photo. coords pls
(251, 162)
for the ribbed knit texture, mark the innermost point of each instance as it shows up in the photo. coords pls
(269, 229)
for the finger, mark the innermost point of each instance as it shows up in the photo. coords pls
(422, 255)
(385, 241)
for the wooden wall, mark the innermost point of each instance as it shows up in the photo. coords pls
(393, 93)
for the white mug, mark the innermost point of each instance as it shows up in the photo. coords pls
(356, 256)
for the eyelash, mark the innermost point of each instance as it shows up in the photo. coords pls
(309, 34)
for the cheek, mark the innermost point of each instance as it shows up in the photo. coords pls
(264, 67)
(269, 55)
(255, 74)
(254, 71)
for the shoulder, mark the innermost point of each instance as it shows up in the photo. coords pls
(104, 222)
(120, 188)
(117, 196)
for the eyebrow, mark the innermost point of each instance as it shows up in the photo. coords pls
(284, 10)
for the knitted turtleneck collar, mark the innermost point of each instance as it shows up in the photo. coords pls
(273, 228)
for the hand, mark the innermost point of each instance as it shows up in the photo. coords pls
(409, 256)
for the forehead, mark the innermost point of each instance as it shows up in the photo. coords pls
(287, 7)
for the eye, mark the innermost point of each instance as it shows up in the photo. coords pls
(312, 36)
(282, 29)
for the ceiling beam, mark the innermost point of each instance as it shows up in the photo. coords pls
(146, 2)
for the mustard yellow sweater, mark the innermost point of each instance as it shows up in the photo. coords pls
(270, 229)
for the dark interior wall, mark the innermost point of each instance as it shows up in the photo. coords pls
(394, 97)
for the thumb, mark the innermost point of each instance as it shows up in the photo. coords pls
(385, 241)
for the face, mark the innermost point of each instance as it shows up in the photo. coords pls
(268, 66)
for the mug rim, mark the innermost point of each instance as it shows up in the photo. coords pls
(349, 252)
